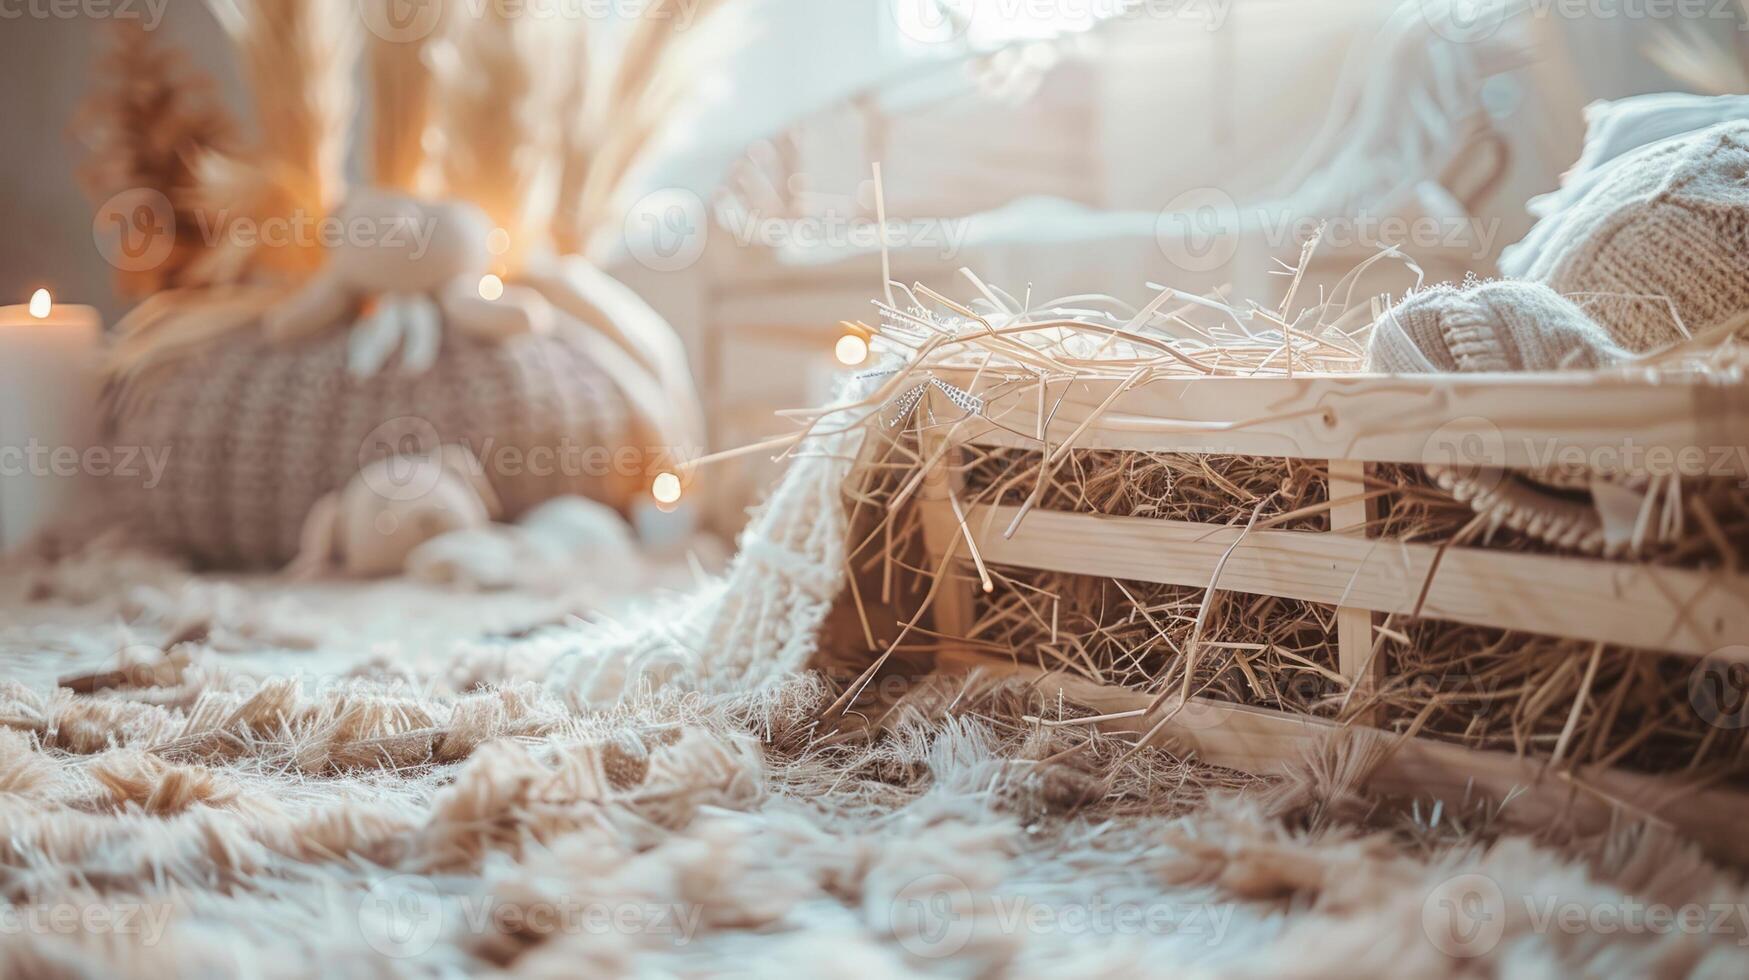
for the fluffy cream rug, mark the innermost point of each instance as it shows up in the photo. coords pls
(256, 778)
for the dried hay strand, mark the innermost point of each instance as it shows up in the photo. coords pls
(1257, 650)
(1207, 489)
(1562, 699)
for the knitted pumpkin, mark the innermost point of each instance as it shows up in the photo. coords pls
(258, 432)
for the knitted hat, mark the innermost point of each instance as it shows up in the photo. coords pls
(1665, 225)
(1492, 326)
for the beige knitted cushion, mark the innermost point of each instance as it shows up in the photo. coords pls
(257, 432)
(1668, 220)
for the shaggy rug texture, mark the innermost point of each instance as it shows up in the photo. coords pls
(247, 777)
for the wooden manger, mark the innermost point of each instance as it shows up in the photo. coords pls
(1375, 585)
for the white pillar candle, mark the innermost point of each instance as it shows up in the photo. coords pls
(48, 409)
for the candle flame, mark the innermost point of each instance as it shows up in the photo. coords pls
(491, 287)
(41, 304)
(666, 488)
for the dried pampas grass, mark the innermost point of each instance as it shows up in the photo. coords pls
(536, 116)
(298, 57)
(145, 126)
(631, 96)
(400, 90)
(497, 87)
(577, 143)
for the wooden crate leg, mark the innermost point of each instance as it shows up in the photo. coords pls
(952, 610)
(1354, 627)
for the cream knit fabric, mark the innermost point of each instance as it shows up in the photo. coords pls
(766, 618)
(1612, 130)
(1504, 325)
(1654, 233)
(1669, 221)
(1492, 326)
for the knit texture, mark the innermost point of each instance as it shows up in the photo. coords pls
(257, 432)
(1506, 325)
(1664, 226)
(1503, 325)
(769, 614)
(1614, 129)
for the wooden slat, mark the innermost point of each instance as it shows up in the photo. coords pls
(951, 612)
(1262, 741)
(1511, 420)
(1640, 606)
(1350, 513)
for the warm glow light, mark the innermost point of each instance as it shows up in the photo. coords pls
(498, 241)
(491, 287)
(851, 350)
(40, 304)
(666, 488)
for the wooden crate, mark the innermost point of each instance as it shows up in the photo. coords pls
(1351, 423)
